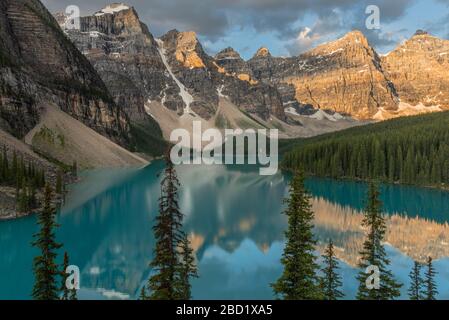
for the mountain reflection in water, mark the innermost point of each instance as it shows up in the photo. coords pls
(233, 217)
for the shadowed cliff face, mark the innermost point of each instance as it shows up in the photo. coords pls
(126, 56)
(40, 65)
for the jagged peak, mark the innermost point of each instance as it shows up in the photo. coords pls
(113, 8)
(181, 37)
(186, 48)
(421, 32)
(350, 39)
(227, 50)
(262, 53)
(227, 53)
(354, 36)
(188, 36)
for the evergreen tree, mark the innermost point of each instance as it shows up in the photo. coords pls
(430, 292)
(73, 294)
(5, 166)
(67, 294)
(65, 291)
(75, 169)
(143, 294)
(59, 183)
(32, 200)
(14, 167)
(22, 200)
(1, 168)
(299, 280)
(188, 269)
(330, 280)
(163, 284)
(410, 150)
(373, 253)
(416, 282)
(45, 267)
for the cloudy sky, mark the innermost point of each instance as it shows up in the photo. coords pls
(286, 27)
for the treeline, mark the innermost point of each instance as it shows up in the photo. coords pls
(28, 179)
(411, 150)
(303, 279)
(24, 176)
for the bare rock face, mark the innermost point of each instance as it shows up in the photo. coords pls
(419, 70)
(207, 78)
(126, 57)
(345, 76)
(273, 71)
(233, 65)
(38, 64)
(194, 70)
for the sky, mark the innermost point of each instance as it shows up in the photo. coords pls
(285, 27)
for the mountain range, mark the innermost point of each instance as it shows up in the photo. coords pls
(110, 93)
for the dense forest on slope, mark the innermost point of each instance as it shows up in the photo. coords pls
(410, 150)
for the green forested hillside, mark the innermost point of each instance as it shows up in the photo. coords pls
(411, 150)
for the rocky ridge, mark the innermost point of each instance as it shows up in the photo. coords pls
(345, 76)
(174, 70)
(40, 65)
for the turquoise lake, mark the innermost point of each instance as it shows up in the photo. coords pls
(233, 216)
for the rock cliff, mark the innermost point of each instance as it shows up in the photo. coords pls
(39, 65)
(418, 68)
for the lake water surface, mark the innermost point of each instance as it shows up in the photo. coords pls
(233, 216)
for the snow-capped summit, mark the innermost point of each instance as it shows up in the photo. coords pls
(112, 8)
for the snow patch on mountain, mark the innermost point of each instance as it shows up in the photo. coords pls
(185, 95)
(112, 8)
(405, 110)
(292, 111)
(220, 92)
(321, 115)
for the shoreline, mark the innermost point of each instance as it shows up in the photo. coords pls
(8, 202)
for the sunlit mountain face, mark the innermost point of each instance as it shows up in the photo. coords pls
(235, 222)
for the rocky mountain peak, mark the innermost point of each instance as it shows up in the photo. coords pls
(418, 68)
(187, 48)
(352, 41)
(355, 35)
(353, 60)
(113, 9)
(228, 53)
(114, 19)
(420, 32)
(423, 41)
(262, 53)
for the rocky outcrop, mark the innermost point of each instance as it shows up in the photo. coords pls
(418, 68)
(232, 64)
(40, 65)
